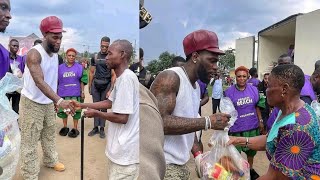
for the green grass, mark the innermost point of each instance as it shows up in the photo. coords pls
(210, 89)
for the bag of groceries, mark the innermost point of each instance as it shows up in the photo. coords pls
(224, 162)
(9, 130)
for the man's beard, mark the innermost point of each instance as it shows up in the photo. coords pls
(3, 30)
(51, 48)
(203, 74)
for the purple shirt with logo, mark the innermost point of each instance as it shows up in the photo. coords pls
(254, 82)
(4, 61)
(245, 103)
(69, 79)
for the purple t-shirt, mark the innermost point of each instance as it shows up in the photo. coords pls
(245, 103)
(254, 82)
(307, 89)
(203, 88)
(4, 61)
(69, 79)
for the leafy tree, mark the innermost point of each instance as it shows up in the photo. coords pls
(163, 62)
(227, 61)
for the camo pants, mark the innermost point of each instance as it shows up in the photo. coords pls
(177, 172)
(37, 122)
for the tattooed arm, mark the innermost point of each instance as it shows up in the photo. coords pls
(165, 88)
(33, 63)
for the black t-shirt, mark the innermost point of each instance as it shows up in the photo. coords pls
(141, 73)
(102, 70)
(60, 59)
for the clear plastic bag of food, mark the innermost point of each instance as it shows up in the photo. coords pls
(9, 130)
(226, 106)
(223, 162)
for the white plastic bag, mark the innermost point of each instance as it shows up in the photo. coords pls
(9, 130)
(316, 107)
(15, 69)
(226, 106)
(223, 162)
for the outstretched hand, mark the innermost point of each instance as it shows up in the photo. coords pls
(76, 104)
(91, 113)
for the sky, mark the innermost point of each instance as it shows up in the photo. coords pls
(85, 22)
(232, 19)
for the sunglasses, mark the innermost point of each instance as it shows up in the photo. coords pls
(102, 46)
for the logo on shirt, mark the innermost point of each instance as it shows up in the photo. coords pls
(244, 101)
(69, 74)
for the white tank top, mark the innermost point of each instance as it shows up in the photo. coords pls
(177, 147)
(49, 66)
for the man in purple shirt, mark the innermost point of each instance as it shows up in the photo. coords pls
(5, 17)
(17, 68)
(254, 81)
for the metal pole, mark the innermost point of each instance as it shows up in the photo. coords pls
(82, 145)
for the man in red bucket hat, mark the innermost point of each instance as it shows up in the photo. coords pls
(180, 114)
(38, 98)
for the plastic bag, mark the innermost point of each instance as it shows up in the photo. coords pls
(15, 69)
(316, 107)
(226, 106)
(9, 130)
(223, 162)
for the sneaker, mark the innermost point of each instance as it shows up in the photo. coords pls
(253, 174)
(102, 134)
(94, 131)
(64, 131)
(73, 133)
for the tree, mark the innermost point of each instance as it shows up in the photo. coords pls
(163, 62)
(227, 61)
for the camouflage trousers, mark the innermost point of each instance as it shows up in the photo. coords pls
(119, 172)
(37, 122)
(177, 172)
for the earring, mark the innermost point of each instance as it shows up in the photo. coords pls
(282, 95)
(195, 62)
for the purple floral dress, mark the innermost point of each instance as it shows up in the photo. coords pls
(293, 144)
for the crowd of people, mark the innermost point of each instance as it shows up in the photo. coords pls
(155, 122)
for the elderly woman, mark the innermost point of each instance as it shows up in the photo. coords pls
(245, 98)
(293, 143)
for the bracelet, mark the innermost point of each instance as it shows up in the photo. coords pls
(197, 153)
(261, 120)
(206, 126)
(59, 101)
(209, 121)
(247, 142)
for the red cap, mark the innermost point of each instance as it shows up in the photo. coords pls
(51, 24)
(201, 40)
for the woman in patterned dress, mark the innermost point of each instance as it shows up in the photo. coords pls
(293, 143)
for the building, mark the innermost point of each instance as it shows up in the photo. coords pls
(25, 43)
(300, 31)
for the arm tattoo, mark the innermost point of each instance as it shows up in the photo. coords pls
(33, 63)
(165, 88)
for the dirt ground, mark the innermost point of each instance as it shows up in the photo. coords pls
(95, 167)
